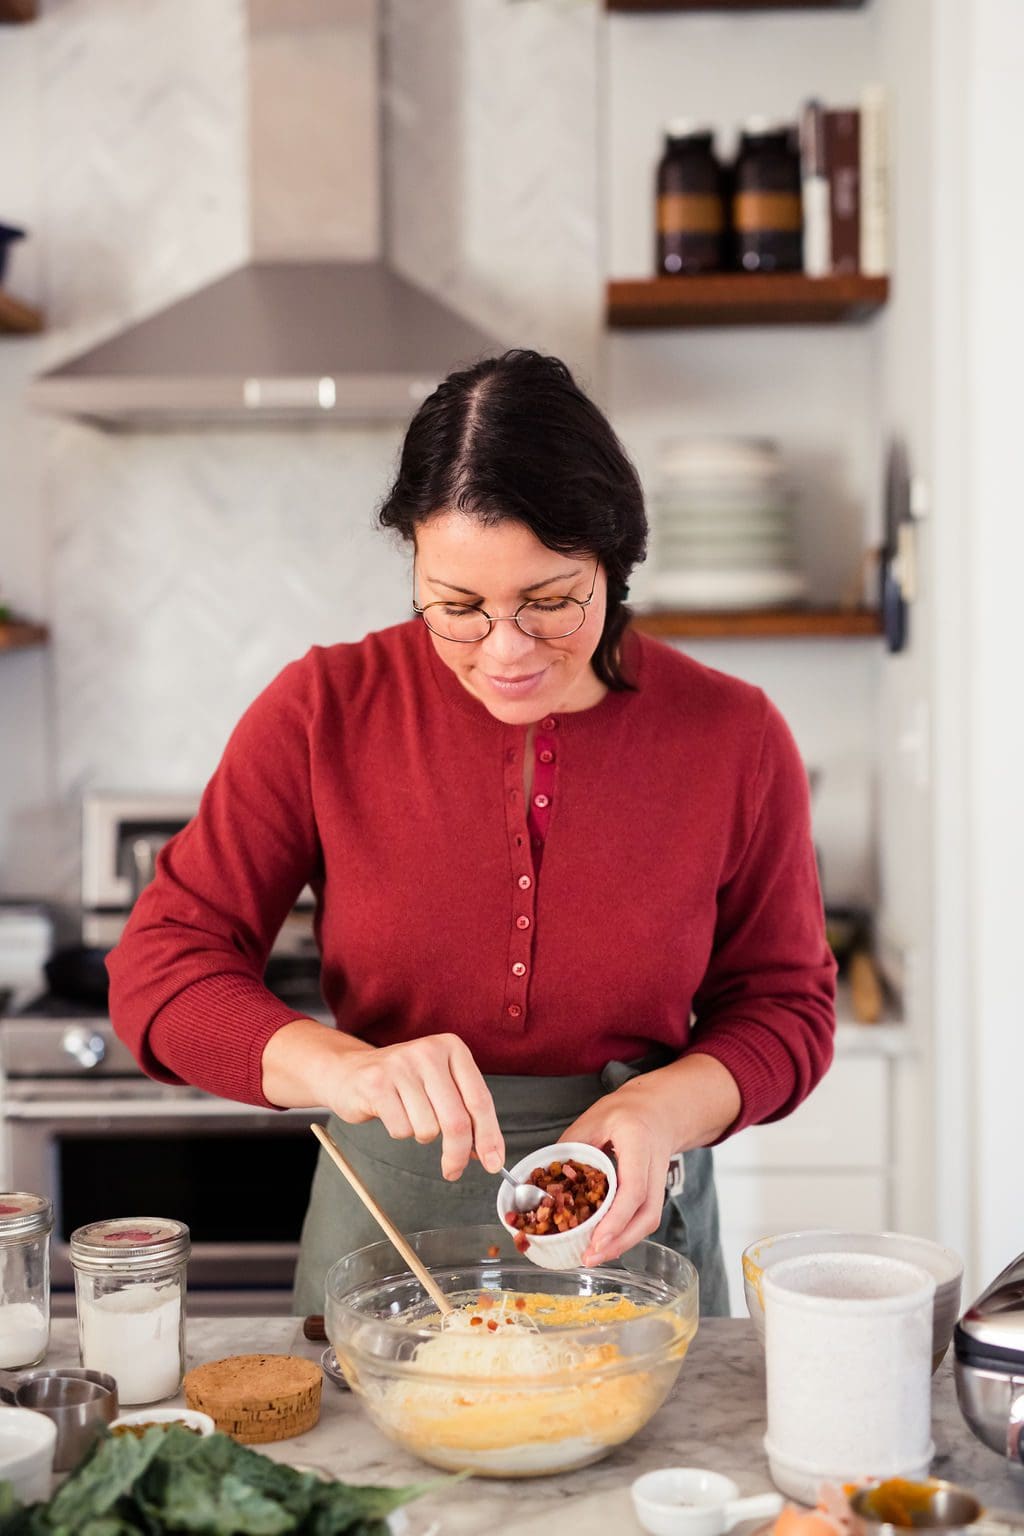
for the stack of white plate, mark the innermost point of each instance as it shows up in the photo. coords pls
(724, 529)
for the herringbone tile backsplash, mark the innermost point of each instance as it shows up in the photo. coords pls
(189, 567)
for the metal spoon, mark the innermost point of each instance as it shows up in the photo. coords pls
(527, 1197)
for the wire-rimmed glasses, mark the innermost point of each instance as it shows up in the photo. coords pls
(542, 618)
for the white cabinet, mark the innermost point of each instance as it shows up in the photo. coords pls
(826, 1165)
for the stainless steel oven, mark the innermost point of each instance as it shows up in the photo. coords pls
(83, 1124)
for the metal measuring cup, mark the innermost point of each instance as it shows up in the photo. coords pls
(892, 1508)
(79, 1402)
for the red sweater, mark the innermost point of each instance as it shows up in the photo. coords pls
(677, 903)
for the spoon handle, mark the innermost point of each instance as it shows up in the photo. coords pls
(422, 1274)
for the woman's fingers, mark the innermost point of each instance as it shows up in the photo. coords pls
(646, 1219)
(476, 1096)
(419, 1109)
(392, 1115)
(630, 1198)
(425, 1089)
(453, 1118)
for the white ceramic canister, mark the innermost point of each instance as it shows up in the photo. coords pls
(848, 1364)
(26, 1222)
(130, 1300)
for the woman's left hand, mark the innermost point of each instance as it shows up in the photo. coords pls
(632, 1124)
(644, 1123)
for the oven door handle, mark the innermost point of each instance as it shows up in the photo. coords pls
(151, 1109)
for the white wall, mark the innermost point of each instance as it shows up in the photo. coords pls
(993, 241)
(520, 141)
(24, 676)
(180, 571)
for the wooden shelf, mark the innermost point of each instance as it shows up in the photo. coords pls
(761, 623)
(18, 10)
(741, 298)
(638, 7)
(16, 635)
(18, 318)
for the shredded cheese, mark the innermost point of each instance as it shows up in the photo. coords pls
(485, 1373)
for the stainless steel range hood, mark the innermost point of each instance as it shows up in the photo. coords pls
(273, 341)
(317, 328)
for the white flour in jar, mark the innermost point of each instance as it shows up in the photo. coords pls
(134, 1335)
(24, 1334)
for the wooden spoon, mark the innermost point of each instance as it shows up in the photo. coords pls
(422, 1274)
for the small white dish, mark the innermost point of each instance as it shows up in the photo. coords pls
(691, 1501)
(559, 1250)
(191, 1418)
(28, 1441)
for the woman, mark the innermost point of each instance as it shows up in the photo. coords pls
(564, 875)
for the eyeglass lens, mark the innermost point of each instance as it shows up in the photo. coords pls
(542, 621)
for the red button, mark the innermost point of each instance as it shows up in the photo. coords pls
(549, 723)
(525, 882)
(519, 969)
(546, 756)
(522, 922)
(514, 1010)
(540, 801)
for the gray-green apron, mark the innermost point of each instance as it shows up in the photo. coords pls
(406, 1178)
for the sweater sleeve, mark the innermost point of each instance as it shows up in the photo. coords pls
(186, 980)
(765, 1008)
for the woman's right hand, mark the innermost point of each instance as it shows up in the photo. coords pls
(419, 1088)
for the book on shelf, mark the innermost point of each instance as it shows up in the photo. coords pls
(874, 183)
(856, 150)
(842, 156)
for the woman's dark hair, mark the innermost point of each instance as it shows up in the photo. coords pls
(515, 438)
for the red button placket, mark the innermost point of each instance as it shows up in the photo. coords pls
(524, 881)
(543, 793)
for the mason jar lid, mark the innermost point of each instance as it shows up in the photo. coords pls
(140, 1243)
(24, 1215)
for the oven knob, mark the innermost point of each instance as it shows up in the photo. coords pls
(85, 1045)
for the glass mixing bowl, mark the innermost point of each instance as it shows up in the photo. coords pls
(554, 1400)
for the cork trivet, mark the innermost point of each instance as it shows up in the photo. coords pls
(257, 1398)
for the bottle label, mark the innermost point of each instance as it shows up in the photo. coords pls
(754, 212)
(689, 213)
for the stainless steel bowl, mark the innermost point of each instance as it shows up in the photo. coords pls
(896, 1506)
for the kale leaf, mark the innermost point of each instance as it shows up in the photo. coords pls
(171, 1480)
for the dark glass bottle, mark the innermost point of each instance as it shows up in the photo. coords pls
(767, 216)
(690, 225)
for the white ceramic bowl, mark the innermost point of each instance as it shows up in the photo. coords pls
(942, 1264)
(28, 1441)
(559, 1250)
(191, 1418)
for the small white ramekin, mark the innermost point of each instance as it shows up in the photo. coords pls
(191, 1418)
(28, 1441)
(558, 1250)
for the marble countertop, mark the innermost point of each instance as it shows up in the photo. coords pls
(714, 1418)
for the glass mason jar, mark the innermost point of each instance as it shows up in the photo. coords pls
(26, 1222)
(130, 1301)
